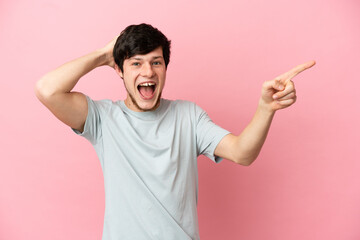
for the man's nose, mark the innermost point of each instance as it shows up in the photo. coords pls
(147, 70)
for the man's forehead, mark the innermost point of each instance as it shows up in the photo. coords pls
(155, 54)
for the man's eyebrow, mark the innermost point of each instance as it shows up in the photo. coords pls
(139, 59)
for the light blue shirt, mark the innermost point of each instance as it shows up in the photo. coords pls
(149, 163)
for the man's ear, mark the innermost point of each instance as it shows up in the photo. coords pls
(118, 71)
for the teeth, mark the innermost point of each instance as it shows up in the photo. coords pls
(147, 84)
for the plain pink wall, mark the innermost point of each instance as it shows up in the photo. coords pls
(305, 183)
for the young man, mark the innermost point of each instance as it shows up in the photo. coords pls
(148, 146)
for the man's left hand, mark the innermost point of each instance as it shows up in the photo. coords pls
(280, 92)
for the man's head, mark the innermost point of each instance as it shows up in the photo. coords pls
(141, 54)
(140, 39)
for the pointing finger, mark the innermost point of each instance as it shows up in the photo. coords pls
(295, 71)
(298, 69)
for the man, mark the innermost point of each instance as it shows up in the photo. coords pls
(148, 146)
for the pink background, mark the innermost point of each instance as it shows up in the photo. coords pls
(305, 183)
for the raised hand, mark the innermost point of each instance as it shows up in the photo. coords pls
(108, 50)
(280, 92)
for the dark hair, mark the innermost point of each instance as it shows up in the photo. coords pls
(140, 39)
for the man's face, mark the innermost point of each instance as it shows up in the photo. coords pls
(144, 79)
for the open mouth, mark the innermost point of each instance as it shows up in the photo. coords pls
(147, 90)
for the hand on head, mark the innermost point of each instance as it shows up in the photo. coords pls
(108, 49)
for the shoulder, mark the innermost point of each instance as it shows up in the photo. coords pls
(102, 106)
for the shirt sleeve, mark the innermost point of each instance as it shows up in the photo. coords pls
(92, 128)
(208, 135)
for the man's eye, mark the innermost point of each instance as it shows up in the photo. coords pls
(135, 64)
(156, 63)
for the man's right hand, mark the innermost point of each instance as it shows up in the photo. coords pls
(108, 50)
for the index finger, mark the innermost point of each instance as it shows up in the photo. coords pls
(296, 70)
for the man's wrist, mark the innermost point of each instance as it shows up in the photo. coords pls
(102, 57)
(266, 108)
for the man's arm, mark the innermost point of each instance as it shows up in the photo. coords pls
(276, 94)
(54, 88)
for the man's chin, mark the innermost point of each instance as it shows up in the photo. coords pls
(146, 105)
